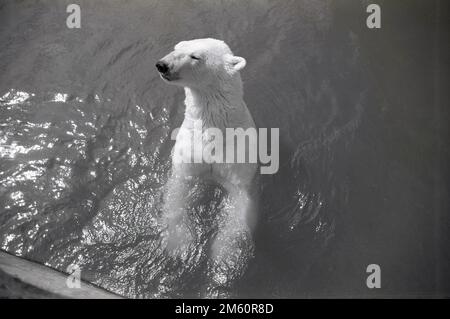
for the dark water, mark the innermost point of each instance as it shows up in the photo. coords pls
(85, 140)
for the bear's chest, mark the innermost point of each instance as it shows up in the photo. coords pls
(201, 152)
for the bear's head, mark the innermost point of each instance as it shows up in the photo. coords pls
(201, 63)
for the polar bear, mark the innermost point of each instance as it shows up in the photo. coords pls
(209, 73)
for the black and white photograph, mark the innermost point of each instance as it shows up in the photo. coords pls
(246, 151)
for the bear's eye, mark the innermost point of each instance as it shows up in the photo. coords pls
(195, 57)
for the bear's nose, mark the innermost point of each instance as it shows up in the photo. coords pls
(162, 67)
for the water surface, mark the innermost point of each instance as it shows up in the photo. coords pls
(85, 141)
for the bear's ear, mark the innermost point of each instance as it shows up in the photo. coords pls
(236, 63)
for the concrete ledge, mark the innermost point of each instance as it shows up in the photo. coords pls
(28, 279)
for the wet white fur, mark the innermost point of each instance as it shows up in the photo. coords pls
(214, 96)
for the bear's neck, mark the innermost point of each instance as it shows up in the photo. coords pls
(213, 106)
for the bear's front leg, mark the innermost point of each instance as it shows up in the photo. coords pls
(176, 235)
(233, 246)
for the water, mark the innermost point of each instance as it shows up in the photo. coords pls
(85, 143)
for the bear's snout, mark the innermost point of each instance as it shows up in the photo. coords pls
(162, 67)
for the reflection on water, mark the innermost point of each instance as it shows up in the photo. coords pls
(85, 143)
